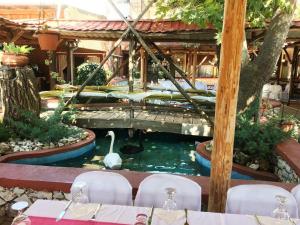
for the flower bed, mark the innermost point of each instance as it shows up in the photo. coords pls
(42, 153)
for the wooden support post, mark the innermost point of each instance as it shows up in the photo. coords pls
(157, 61)
(114, 47)
(184, 62)
(172, 63)
(144, 69)
(294, 72)
(226, 104)
(116, 73)
(52, 68)
(190, 63)
(287, 55)
(194, 68)
(69, 67)
(279, 69)
(132, 45)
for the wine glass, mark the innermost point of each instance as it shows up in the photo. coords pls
(170, 203)
(21, 218)
(80, 193)
(281, 210)
(79, 208)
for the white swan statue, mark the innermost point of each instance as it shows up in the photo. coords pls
(112, 160)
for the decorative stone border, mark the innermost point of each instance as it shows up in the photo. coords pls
(288, 167)
(51, 151)
(9, 196)
(259, 175)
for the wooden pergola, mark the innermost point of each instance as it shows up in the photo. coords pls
(232, 39)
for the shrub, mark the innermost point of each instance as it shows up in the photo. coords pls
(256, 139)
(85, 69)
(16, 49)
(5, 133)
(46, 130)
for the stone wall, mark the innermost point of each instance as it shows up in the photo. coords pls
(285, 172)
(8, 196)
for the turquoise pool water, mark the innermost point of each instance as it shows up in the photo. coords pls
(163, 152)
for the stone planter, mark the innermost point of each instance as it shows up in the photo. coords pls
(238, 171)
(13, 60)
(51, 155)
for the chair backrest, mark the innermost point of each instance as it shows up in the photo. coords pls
(296, 193)
(258, 199)
(106, 187)
(152, 192)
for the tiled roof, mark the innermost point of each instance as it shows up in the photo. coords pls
(145, 26)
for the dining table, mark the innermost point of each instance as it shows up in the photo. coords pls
(46, 211)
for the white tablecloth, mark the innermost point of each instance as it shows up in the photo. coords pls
(127, 214)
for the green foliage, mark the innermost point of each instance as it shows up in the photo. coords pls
(85, 69)
(56, 76)
(209, 12)
(16, 49)
(5, 133)
(46, 130)
(256, 139)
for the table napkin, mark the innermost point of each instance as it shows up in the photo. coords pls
(265, 220)
(169, 217)
(51, 221)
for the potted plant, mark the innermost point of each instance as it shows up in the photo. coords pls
(48, 40)
(15, 55)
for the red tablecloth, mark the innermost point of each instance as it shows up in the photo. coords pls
(51, 221)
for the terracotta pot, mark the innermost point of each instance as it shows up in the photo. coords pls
(13, 60)
(48, 41)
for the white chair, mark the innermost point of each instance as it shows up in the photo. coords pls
(296, 193)
(152, 192)
(106, 187)
(258, 199)
(276, 92)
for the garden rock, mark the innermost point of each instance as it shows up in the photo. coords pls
(254, 166)
(7, 195)
(18, 191)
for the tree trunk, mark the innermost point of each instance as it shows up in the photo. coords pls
(258, 72)
(18, 92)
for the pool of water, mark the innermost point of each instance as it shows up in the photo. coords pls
(163, 152)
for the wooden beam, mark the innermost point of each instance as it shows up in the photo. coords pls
(157, 61)
(116, 72)
(16, 35)
(226, 104)
(112, 50)
(171, 62)
(287, 55)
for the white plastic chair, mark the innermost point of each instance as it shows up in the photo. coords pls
(258, 199)
(152, 192)
(296, 193)
(106, 187)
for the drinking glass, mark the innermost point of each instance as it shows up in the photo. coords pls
(170, 203)
(80, 197)
(281, 210)
(21, 218)
(80, 193)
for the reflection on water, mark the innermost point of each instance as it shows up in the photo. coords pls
(163, 152)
